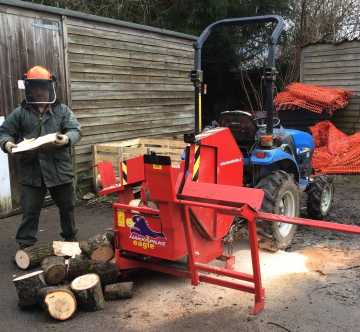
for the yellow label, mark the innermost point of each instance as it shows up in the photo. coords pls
(129, 222)
(121, 218)
(157, 166)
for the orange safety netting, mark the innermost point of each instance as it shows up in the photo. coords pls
(335, 152)
(313, 98)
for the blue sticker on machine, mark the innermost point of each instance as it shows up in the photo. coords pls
(141, 231)
(141, 227)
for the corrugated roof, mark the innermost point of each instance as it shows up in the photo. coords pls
(94, 18)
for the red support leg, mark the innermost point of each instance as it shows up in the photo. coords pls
(254, 249)
(190, 247)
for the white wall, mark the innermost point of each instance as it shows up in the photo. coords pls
(5, 189)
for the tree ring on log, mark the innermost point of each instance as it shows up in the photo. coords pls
(85, 282)
(61, 304)
(22, 259)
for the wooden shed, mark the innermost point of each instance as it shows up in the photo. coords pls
(336, 65)
(122, 80)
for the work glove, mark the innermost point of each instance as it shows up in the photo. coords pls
(61, 140)
(9, 146)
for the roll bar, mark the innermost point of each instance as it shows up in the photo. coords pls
(197, 74)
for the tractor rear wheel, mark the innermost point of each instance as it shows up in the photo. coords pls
(281, 197)
(320, 197)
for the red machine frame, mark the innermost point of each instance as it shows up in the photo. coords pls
(194, 267)
(192, 209)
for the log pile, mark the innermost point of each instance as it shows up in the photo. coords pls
(72, 275)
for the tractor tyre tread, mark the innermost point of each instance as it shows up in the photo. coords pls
(272, 184)
(314, 193)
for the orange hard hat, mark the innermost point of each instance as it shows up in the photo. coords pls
(38, 73)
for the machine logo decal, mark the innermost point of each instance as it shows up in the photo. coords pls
(142, 233)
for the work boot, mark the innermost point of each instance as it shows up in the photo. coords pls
(25, 245)
(71, 239)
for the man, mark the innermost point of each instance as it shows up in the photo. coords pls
(43, 169)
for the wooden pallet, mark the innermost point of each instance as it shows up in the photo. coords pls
(115, 152)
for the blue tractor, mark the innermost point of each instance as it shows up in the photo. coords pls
(277, 160)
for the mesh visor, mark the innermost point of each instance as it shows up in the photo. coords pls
(40, 92)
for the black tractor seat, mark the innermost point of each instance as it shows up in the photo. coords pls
(242, 126)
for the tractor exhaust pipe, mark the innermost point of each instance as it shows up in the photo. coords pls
(269, 80)
(269, 100)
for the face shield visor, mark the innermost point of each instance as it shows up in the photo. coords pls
(40, 92)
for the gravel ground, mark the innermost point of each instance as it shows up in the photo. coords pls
(314, 286)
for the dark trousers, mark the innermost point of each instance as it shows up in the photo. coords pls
(32, 199)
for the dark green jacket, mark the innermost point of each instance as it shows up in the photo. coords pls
(53, 165)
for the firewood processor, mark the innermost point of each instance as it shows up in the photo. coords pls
(179, 219)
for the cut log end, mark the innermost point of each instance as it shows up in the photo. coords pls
(85, 282)
(102, 254)
(54, 269)
(22, 259)
(60, 304)
(32, 256)
(88, 292)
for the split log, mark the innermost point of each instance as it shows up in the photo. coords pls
(28, 286)
(88, 292)
(59, 302)
(108, 272)
(66, 249)
(120, 290)
(32, 256)
(54, 269)
(77, 266)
